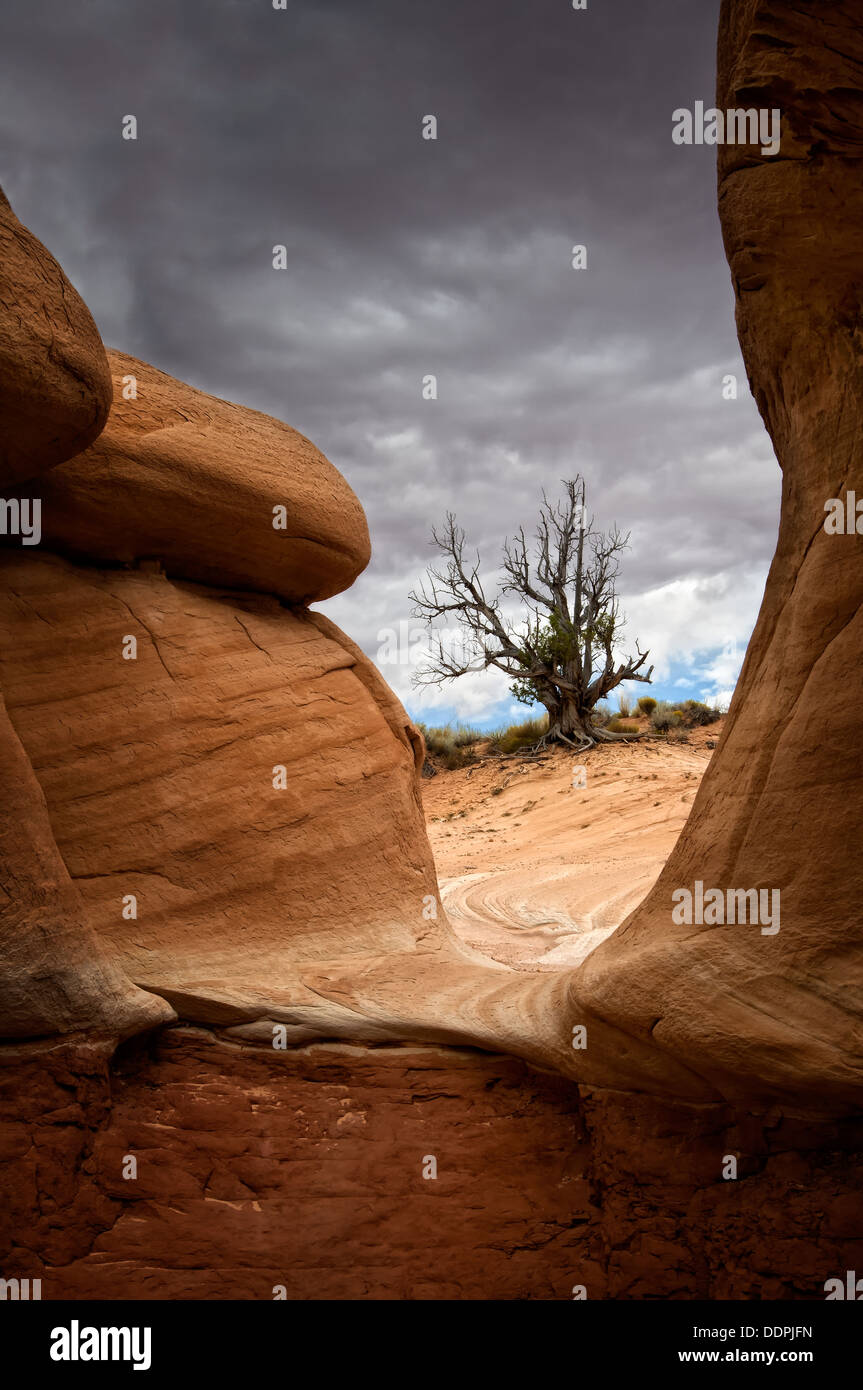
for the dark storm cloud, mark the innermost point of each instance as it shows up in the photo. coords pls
(409, 257)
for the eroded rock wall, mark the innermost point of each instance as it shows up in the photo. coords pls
(55, 391)
(780, 1017)
(306, 1171)
(238, 779)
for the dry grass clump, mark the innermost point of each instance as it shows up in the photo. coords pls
(453, 746)
(518, 736)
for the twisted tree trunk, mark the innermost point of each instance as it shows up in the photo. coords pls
(570, 723)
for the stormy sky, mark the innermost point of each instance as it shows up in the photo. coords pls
(406, 257)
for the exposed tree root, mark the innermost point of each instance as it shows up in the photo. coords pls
(586, 739)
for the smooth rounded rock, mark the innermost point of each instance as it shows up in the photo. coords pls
(216, 492)
(55, 385)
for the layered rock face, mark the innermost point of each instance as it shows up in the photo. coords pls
(308, 1175)
(232, 787)
(55, 389)
(250, 803)
(55, 977)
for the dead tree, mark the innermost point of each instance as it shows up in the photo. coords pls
(560, 648)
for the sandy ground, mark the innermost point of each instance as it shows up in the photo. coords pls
(536, 871)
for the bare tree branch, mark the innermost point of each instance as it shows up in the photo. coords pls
(561, 649)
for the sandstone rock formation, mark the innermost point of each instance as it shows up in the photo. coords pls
(54, 394)
(237, 798)
(54, 977)
(174, 754)
(196, 483)
(305, 1170)
(55, 387)
(780, 1017)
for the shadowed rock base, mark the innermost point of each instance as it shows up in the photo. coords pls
(305, 1169)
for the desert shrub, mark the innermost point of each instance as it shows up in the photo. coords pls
(518, 736)
(466, 737)
(617, 726)
(439, 741)
(665, 717)
(601, 715)
(624, 706)
(450, 745)
(647, 705)
(694, 713)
